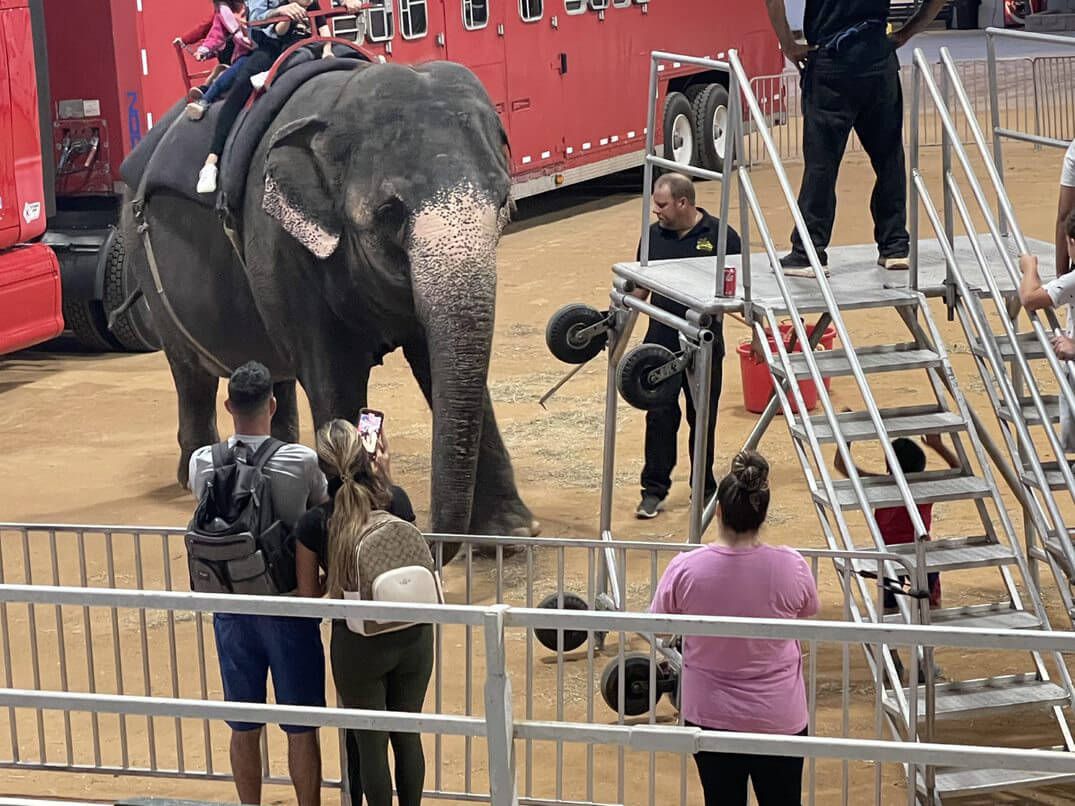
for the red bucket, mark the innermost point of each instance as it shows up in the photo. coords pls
(758, 383)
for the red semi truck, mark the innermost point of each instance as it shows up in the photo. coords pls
(568, 78)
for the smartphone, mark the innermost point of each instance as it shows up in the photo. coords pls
(369, 428)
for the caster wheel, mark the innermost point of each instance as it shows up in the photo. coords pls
(573, 639)
(632, 378)
(635, 683)
(561, 334)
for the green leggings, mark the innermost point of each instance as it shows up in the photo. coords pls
(383, 673)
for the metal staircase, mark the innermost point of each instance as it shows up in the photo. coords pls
(1015, 683)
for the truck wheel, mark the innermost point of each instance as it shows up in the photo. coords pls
(710, 115)
(134, 328)
(678, 129)
(87, 320)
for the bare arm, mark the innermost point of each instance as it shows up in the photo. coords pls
(778, 18)
(308, 573)
(934, 441)
(927, 13)
(1032, 293)
(1065, 204)
(841, 468)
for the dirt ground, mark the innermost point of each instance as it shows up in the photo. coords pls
(91, 439)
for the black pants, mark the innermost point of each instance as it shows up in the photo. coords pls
(837, 99)
(384, 672)
(777, 780)
(662, 429)
(259, 61)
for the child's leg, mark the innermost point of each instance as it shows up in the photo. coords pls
(227, 16)
(224, 81)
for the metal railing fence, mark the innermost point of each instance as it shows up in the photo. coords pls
(498, 728)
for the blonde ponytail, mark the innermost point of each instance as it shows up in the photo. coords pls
(340, 450)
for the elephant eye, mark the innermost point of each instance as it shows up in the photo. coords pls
(393, 216)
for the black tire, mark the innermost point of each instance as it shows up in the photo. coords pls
(573, 639)
(633, 382)
(693, 91)
(710, 108)
(636, 684)
(133, 330)
(87, 320)
(676, 130)
(561, 330)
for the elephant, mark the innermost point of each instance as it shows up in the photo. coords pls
(373, 208)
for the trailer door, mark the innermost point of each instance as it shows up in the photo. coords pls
(474, 36)
(535, 86)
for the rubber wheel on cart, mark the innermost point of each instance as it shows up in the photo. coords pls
(87, 320)
(134, 329)
(573, 639)
(632, 378)
(678, 129)
(561, 334)
(636, 688)
(710, 114)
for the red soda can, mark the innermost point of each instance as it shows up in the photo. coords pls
(729, 281)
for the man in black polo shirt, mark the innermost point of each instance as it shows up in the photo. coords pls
(851, 80)
(682, 230)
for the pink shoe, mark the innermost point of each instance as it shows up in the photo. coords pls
(227, 16)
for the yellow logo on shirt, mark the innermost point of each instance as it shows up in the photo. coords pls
(705, 245)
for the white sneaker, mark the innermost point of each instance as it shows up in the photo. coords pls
(259, 80)
(196, 109)
(207, 179)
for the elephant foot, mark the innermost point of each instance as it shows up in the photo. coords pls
(510, 518)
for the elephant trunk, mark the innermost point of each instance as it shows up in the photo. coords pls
(453, 272)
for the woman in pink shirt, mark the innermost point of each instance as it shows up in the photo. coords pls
(743, 684)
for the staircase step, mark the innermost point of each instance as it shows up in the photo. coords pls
(999, 616)
(1052, 475)
(956, 782)
(888, 358)
(905, 422)
(929, 487)
(1029, 346)
(1030, 411)
(964, 699)
(956, 553)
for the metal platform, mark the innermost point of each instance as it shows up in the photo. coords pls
(856, 279)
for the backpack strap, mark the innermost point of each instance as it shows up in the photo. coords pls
(264, 453)
(222, 455)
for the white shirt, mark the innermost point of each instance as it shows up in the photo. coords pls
(1067, 173)
(1062, 292)
(297, 481)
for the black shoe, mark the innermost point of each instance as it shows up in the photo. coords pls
(799, 260)
(649, 507)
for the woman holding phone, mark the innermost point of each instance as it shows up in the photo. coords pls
(389, 671)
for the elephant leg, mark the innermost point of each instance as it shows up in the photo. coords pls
(285, 423)
(336, 391)
(196, 391)
(497, 508)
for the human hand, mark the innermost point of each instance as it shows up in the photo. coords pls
(326, 52)
(353, 6)
(200, 55)
(293, 11)
(933, 441)
(178, 41)
(381, 456)
(1028, 263)
(796, 52)
(1064, 346)
(899, 38)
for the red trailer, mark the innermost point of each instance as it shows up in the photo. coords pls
(567, 76)
(29, 272)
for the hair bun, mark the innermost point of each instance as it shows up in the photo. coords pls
(751, 471)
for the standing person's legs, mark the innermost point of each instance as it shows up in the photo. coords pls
(662, 428)
(723, 777)
(715, 383)
(879, 127)
(827, 119)
(244, 669)
(354, 766)
(777, 780)
(297, 661)
(406, 691)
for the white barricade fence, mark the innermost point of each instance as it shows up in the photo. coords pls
(109, 668)
(1033, 94)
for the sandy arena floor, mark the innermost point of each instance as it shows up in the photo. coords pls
(91, 439)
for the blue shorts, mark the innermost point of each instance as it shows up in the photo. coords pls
(249, 647)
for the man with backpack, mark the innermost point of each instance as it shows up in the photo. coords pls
(251, 491)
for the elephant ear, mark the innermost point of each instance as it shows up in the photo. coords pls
(300, 193)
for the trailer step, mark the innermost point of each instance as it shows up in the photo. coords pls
(1029, 411)
(910, 422)
(954, 782)
(999, 616)
(925, 488)
(889, 358)
(1029, 346)
(967, 698)
(958, 553)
